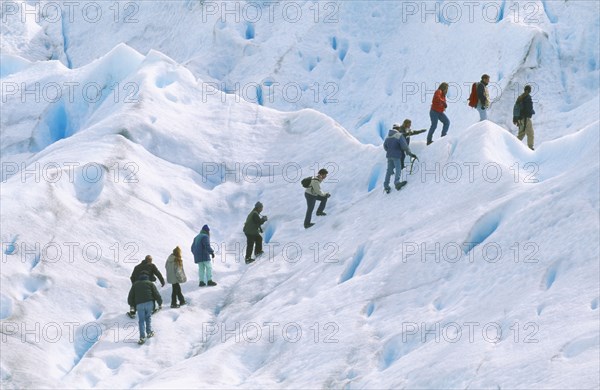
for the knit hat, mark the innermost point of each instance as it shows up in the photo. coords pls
(206, 228)
(258, 205)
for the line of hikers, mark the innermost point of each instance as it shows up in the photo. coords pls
(143, 293)
(480, 100)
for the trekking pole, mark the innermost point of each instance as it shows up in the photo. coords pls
(412, 162)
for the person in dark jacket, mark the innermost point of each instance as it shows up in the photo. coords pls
(202, 250)
(524, 121)
(175, 276)
(438, 106)
(142, 295)
(145, 266)
(483, 97)
(252, 230)
(396, 146)
(314, 193)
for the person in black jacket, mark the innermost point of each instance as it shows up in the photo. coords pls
(147, 267)
(252, 230)
(525, 124)
(142, 295)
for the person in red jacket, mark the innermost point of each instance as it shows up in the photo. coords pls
(438, 106)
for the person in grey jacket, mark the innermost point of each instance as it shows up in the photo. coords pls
(314, 193)
(252, 230)
(175, 276)
(396, 146)
(142, 295)
(483, 97)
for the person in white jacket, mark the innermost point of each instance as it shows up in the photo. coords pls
(312, 194)
(175, 276)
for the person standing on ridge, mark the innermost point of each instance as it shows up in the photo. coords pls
(525, 113)
(483, 97)
(202, 250)
(142, 295)
(436, 113)
(252, 230)
(396, 146)
(175, 276)
(312, 194)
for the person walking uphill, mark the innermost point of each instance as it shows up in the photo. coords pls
(395, 146)
(175, 276)
(438, 106)
(202, 250)
(314, 193)
(252, 230)
(145, 266)
(142, 295)
(483, 97)
(525, 113)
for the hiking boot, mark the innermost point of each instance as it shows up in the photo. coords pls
(150, 334)
(321, 214)
(387, 190)
(201, 284)
(248, 261)
(400, 185)
(211, 283)
(173, 306)
(308, 225)
(259, 254)
(429, 142)
(141, 341)
(182, 303)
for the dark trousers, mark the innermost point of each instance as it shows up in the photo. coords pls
(176, 294)
(435, 117)
(253, 240)
(311, 200)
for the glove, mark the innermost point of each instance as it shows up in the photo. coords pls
(212, 255)
(483, 108)
(412, 155)
(445, 105)
(162, 285)
(264, 218)
(327, 195)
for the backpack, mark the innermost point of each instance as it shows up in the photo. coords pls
(517, 109)
(473, 97)
(306, 181)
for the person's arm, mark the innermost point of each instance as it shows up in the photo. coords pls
(131, 297)
(156, 295)
(404, 146)
(157, 273)
(527, 107)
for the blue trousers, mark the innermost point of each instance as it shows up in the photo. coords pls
(435, 117)
(393, 165)
(311, 200)
(144, 311)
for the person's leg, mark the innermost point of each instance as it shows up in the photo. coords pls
(201, 271)
(178, 293)
(141, 311)
(482, 112)
(521, 133)
(445, 122)
(529, 132)
(322, 204)
(149, 306)
(173, 294)
(388, 174)
(249, 246)
(258, 240)
(310, 206)
(434, 121)
(208, 266)
(398, 165)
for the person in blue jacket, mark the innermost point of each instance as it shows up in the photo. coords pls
(202, 250)
(396, 146)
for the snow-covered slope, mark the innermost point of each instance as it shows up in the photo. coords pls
(482, 272)
(366, 64)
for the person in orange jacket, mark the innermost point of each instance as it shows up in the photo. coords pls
(438, 106)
